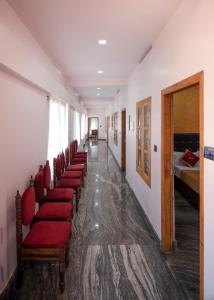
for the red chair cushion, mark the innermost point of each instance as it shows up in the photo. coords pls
(79, 159)
(39, 186)
(189, 158)
(72, 174)
(59, 195)
(77, 167)
(56, 211)
(48, 234)
(80, 155)
(47, 176)
(69, 183)
(28, 205)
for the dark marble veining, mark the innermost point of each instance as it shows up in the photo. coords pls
(185, 259)
(114, 253)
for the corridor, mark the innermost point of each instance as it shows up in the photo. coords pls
(114, 253)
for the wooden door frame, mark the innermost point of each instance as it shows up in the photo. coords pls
(123, 144)
(97, 126)
(167, 223)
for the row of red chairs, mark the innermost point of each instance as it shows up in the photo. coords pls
(51, 225)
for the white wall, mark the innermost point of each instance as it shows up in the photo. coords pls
(184, 47)
(24, 137)
(117, 106)
(27, 76)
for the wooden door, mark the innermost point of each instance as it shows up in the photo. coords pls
(167, 222)
(123, 140)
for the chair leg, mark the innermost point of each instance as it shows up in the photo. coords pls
(19, 276)
(62, 277)
(67, 258)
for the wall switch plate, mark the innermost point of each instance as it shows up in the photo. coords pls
(155, 148)
(209, 153)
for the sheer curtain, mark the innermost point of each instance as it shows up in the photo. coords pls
(83, 126)
(77, 132)
(58, 129)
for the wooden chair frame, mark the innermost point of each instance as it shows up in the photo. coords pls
(57, 255)
(77, 190)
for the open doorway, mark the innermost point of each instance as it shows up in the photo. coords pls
(93, 128)
(123, 140)
(182, 185)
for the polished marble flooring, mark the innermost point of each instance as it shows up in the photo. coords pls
(114, 253)
(185, 259)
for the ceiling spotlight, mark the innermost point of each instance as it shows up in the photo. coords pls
(98, 88)
(100, 72)
(102, 42)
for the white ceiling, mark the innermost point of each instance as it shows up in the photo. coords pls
(69, 31)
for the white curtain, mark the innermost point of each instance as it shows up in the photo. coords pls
(83, 126)
(94, 123)
(58, 129)
(77, 126)
(86, 124)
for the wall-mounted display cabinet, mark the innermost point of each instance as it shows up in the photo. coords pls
(143, 139)
(116, 128)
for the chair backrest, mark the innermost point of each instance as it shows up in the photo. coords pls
(73, 148)
(25, 211)
(71, 151)
(62, 161)
(47, 175)
(67, 157)
(57, 169)
(28, 202)
(39, 185)
(76, 145)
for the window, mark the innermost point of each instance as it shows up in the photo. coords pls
(83, 126)
(143, 163)
(116, 128)
(77, 126)
(58, 129)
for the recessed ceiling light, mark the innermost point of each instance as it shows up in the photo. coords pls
(98, 88)
(98, 94)
(100, 72)
(102, 42)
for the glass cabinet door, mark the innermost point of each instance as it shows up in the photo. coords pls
(143, 139)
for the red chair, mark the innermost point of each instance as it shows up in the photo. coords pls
(77, 160)
(73, 167)
(77, 153)
(46, 240)
(57, 211)
(59, 182)
(55, 194)
(71, 173)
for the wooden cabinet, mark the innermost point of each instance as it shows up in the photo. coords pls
(143, 140)
(116, 128)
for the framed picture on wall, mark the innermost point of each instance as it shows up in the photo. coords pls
(129, 123)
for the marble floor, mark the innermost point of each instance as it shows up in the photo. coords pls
(114, 253)
(185, 259)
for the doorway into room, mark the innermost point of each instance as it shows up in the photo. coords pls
(123, 140)
(93, 128)
(183, 185)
